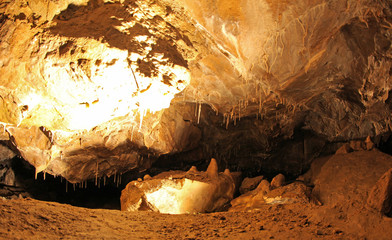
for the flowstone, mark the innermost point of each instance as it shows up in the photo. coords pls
(178, 192)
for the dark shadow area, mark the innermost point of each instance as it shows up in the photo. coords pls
(385, 143)
(249, 148)
(103, 193)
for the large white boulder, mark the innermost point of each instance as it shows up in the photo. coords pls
(180, 192)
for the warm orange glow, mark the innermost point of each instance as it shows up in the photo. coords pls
(110, 89)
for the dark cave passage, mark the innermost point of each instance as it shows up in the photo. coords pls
(105, 193)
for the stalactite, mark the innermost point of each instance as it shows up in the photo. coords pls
(133, 127)
(104, 180)
(96, 176)
(198, 115)
(142, 115)
(239, 111)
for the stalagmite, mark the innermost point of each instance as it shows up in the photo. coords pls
(212, 170)
(193, 169)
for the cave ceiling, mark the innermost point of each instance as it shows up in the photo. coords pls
(96, 88)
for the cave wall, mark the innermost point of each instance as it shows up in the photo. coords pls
(94, 88)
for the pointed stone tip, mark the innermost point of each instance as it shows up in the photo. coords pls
(212, 170)
(227, 172)
(192, 169)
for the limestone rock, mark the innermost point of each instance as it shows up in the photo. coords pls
(264, 187)
(344, 149)
(380, 197)
(3, 134)
(296, 192)
(249, 184)
(278, 181)
(146, 177)
(369, 145)
(357, 145)
(180, 192)
(5, 153)
(212, 170)
(346, 180)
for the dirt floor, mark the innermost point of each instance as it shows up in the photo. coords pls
(32, 219)
(342, 183)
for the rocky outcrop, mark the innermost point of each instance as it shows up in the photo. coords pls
(180, 192)
(249, 184)
(100, 87)
(265, 195)
(346, 180)
(380, 197)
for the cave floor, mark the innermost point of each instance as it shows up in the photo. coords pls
(33, 219)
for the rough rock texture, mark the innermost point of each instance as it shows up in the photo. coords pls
(249, 184)
(296, 192)
(380, 197)
(180, 192)
(278, 181)
(86, 85)
(348, 179)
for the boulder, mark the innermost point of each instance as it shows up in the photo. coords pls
(346, 180)
(178, 192)
(296, 192)
(249, 184)
(278, 181)
(380, 197)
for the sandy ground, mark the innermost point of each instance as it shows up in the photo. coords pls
(33, 219)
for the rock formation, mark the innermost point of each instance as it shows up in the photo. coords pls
(348, 180)
(180, 192)
(249, 184)
(264, 195)
(380, 197)
(93, 88)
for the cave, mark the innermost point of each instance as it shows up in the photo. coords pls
(210, 119)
